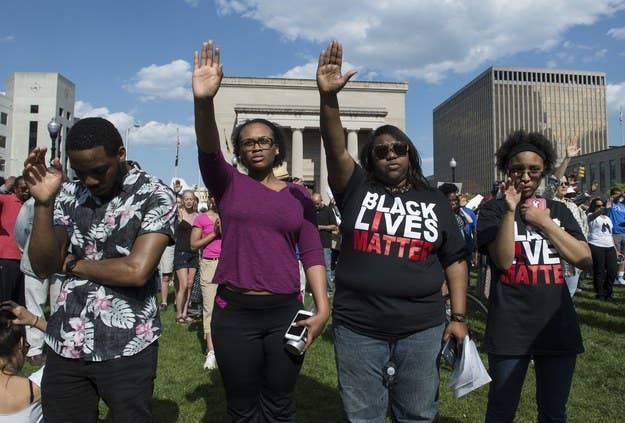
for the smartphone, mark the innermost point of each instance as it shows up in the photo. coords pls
(539, 203)
(297, 333)
(449, 352)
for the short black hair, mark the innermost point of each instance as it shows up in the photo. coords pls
(278, 138)
(614, 190)
(535, 139)
(593, 204)
(93, 132)
(448, 188)
(415, 173)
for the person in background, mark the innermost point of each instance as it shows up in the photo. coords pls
(20, 397)
(166, 272)
(206, 237)
(185, 257)
(262, 220)
(562, 195)
(616, 212)
(525, 238)
(11, 277)
(326, 224)
(603, 250)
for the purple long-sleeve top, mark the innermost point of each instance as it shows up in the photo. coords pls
(260, 228)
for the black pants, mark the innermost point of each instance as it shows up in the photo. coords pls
(11, 281)
(259, 375)
(603, 269)
(71, 389)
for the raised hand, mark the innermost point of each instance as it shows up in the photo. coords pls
(572, 148)
(207, 72)
(44, 183)
(329, 77)
(512, 194)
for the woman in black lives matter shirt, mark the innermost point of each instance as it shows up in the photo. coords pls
(531, 314)
(399, 242)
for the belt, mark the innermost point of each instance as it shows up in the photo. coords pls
(210, 258)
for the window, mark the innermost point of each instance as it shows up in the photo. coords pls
(61, 111)
(34, 108)
(602, 177)
(3, 141)
(69, 115)
(622, 169)
(2, 165)
(3, 118)
(612, 172)
(32, 135)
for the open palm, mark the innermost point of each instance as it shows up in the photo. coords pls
(42, 182)
(207, 72)
(329, 78)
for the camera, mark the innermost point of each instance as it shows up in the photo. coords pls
(295, 337)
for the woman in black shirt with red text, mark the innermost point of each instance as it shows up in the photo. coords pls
(531, 314)
(399, 242)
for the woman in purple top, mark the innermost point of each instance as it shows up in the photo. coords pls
(262, 220)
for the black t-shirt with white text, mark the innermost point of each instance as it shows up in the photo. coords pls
(530, 308)
(393, 253)
(325, 217)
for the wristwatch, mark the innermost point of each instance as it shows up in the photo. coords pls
(69, 267)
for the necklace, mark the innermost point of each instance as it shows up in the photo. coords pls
(399, 189)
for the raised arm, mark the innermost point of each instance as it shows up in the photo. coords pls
(572, 150)
(207, 75)
(329, 82)
(48, 244)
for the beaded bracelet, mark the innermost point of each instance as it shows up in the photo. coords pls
(459, 317)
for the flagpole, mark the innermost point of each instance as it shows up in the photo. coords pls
(177, 152)
(620, 123)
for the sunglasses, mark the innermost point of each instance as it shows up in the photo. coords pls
(380, 151)
(564, 184)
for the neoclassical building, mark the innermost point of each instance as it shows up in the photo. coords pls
(293, 104)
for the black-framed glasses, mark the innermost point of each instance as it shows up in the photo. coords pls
(262, 142)
(519, 172)
(380, 151)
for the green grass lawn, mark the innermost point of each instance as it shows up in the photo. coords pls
(185, 392)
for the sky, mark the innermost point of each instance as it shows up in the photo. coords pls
(131, 60)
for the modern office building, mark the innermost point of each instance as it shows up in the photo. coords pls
(607, 167)
(293, 104)
(471, 124)
(35, 98)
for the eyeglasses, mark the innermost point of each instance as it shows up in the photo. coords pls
(262, 142)
(564, 184)
(380, 151)
(519, 172)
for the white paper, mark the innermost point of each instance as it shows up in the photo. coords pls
(469, 372)
(474, 202)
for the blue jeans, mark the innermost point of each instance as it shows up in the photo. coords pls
(362, 364)
(327, 256)
(554, 375)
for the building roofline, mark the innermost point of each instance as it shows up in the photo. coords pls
(307, 84)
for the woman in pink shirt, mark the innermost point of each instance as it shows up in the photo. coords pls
(206, 236)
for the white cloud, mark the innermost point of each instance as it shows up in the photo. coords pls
(7, 38)
(618, 33)
(309, 71)
(425, 39)
(552, 64)
(171, 81)
(615, 96)
(151, 133)
(192, 3)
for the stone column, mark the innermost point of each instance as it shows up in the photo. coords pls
(323, 174)
(352, 143)
(297, 153)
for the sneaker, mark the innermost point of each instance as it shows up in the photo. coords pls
(210, 362)
(619, 281)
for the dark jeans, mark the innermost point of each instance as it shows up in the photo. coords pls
(554, 375)
(603, 270)
(71, 389)
(11, 281)
(259, 375)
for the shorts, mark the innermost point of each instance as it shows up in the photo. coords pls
(185, 260)
(209, 289)
(166, 265)
(619, 242)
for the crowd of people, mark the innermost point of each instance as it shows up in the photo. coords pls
(102, 246)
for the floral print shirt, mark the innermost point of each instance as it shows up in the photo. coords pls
(97, 322)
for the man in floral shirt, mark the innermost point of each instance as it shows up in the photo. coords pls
(106, 232)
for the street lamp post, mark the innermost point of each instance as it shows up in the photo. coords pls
(54, 127)
(452, 165)
(135, 125)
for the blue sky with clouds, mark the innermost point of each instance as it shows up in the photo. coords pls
(131, 60)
